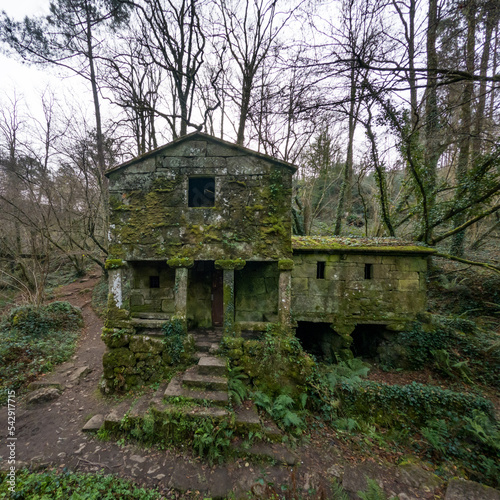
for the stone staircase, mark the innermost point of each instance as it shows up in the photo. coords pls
(206, 382)
(205, 385)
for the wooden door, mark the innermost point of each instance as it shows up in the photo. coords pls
(218, 298)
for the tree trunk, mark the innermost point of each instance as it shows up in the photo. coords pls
(483, 71)
(344, 203)
(431, 108)
(457, 246)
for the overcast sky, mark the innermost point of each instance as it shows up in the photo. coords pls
(28, 83)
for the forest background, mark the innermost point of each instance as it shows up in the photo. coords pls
(390, 109)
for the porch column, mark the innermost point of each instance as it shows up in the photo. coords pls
(115, 286)
(180, 290)
(181, 266)
(285, 267)
(228, 266)
(228, 300)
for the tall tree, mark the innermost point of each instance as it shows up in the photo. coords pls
(69, 38)
(172, 35)
(250, 30)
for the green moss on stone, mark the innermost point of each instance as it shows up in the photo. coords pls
(114, 263)
(285, 264)
(236, 264)
(176, 262)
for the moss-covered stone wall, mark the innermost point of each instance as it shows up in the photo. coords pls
(143, 298)
(256, 292)
(394, 293)
(150, 218)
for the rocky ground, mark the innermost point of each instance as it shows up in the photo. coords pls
(49, 422)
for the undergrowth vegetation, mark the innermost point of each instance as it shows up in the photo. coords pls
(209, 437)
(33, 340)
(68, 485)
(454, 429)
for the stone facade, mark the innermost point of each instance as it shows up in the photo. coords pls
(200, 236)
(359, 286)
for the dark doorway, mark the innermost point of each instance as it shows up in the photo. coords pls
(317, 339)
(366, 339)
(217, 297)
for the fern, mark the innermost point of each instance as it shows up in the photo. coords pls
(374, 492)
(338, 493)
(346, 424)
(283, 402)
(352, 370)
(481, 427)
(292, 419)
(263, 400)
(237, 387)
(455, 370)
(281, 410)
(437, 434)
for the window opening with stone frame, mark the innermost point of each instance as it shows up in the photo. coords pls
(201, 192)
(320, 270)
(368, 271)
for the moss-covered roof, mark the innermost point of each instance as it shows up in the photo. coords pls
(356, 245)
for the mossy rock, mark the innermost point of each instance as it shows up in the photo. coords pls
(285, 264)
(145, 344)
(115, 337)
(117, 358)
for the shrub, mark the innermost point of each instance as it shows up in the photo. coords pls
(275, 365)
(406, 405)
(453, 346)
(33, 340)
(31, 321)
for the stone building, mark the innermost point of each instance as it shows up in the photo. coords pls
(200, 235)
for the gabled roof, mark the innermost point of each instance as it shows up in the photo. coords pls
(205, 137)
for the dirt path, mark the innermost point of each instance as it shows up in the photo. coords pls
(49, 435)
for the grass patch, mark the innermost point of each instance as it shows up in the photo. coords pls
(33, 340)
(73, 486)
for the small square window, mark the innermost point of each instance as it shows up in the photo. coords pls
(201, 192)
(320, 270)
(154, 282)
(368, 271)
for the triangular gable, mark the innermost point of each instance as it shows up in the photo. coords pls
(195, 136)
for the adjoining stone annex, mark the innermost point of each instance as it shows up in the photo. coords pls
(201, 237)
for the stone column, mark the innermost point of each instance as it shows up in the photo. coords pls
(285, 299)
(181, 266)
(285, 267)
(228, 266)
(228, 299)
(115, 286)
(181, 285)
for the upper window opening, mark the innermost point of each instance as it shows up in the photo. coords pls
(320, 270)
(201, 192)
(368, 271)
(154, 282)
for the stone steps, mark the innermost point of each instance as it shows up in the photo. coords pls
(195, 380)
(212, 365)
(206, 383)
(175, 389)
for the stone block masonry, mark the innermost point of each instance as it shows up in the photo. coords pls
(356, 287)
